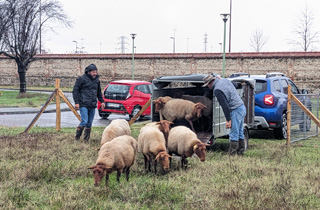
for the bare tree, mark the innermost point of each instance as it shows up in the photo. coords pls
(258, 40)
(5, 15)
(21, 39)
(303, 29)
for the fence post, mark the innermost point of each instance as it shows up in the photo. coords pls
(58, 110)
(289, 116)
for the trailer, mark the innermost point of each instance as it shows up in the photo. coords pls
(208, 129)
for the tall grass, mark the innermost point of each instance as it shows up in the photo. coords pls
(48, 170)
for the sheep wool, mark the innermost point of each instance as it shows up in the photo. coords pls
(152, 144)
(117, 155)
(117, 127)
(184, 142)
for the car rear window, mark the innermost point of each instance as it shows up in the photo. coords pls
(261, 86)
(116, 92)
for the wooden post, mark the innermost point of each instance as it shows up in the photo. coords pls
(289, 116)
(69, 104)
(41, 111)
(140, 112)
(58, 110)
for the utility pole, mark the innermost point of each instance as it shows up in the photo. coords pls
(205, 42)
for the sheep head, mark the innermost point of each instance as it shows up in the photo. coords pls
(164, 125)
(200, 150)
(99, 171)
(163, 158)
(198, 107)
(160, 102)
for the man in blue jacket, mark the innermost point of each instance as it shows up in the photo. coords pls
(233, 109)
(85, 92)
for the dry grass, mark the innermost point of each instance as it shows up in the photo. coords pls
(48, 170)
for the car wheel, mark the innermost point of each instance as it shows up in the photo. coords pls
(246, 138)
(103, 115)
(135, 111)
(281, 133)
(307, 124)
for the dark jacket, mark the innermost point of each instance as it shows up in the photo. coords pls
(86, 90)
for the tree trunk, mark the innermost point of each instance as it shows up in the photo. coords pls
(22, 78)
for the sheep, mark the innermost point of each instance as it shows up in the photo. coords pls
(184, 142)
(116, 128)
(117, 155)
(159, 103)
(151, 143)
(163, 126)
(180, 108)
(202, 99)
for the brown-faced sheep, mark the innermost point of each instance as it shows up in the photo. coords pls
(184, 142)
(164, 126)
(152, 144)
(117, 155)
(179, 109)
(159, 104)
(116, 128)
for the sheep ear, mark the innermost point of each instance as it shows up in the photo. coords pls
(158, 155)
(195, 147)
(157, 123)
(91, 167)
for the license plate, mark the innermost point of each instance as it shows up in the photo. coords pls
(113, 105)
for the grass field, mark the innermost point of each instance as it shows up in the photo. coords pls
(29, 99)
(48, 170)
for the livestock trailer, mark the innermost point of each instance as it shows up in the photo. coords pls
(207, 128)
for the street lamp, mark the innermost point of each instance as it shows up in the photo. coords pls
(133, 36)
(76, 46)
(173, 38)
(224, 18)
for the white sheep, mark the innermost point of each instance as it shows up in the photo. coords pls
(180, 108)
(117, 155)
(152, 144)
(117, 127)
(184, 142)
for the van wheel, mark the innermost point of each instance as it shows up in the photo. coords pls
(281, 133)
(135, 111)
(103, 115)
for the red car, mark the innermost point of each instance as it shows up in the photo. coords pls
(126, 97)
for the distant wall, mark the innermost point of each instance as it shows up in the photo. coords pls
(302, 67)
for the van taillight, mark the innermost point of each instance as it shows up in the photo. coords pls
(268, 99)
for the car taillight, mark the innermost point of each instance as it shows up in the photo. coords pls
(268, 99)
(128, 96)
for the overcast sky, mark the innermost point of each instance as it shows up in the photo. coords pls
(99, 24)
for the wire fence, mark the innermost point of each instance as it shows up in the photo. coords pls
(302, 126)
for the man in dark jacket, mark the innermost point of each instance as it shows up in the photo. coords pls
(233, 109)
(85, 92)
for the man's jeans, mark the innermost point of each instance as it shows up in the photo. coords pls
(87, 115)
(237, 120)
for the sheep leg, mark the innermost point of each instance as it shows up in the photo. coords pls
(145, 162)
(127, 173)
(107, 179)
(182, 162)
(191, 124)
(186, 163)
(118, 175)
(155, 166)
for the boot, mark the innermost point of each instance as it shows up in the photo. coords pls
(241, 147)
(79, 132)
(233, 147)
(87, 132)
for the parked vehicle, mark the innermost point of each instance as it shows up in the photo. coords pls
(271, 95)
(214, 126)
(126, 97)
